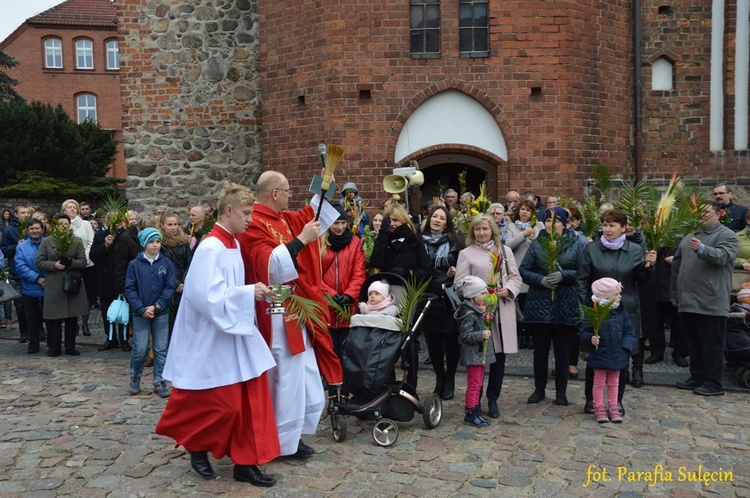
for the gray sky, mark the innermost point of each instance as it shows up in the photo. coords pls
(14, 12)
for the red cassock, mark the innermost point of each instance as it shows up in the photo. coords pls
(267, 231)
(235, 420)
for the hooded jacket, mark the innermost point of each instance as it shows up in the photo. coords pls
(149, 284)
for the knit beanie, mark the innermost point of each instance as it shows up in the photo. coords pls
(473, 287)
(560, 214)
(340, 209)
(381, 287)
(743, 296)
(606, 288)
(148, 235)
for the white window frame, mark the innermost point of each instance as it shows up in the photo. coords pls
(84, 54)
(86, 107)
(113, 55)
(53, 53)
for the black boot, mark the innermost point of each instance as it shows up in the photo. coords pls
(199, 462)
(637, 380)
(108, 345)
(492, 409)
(472, 418)
(449, 387)
(439, 382)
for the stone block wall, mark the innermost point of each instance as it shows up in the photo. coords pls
(191, 98)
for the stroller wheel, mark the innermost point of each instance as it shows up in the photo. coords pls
(432, 411)
(338, 425)
(385, 432)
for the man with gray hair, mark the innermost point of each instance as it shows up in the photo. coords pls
(451, 199)
(497, 211)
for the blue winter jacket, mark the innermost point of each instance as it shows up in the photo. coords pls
(9, 244)
(149, 284)
(539, 307)
(616, 341)
(25, 262)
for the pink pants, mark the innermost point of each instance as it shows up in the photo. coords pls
(474, 379)
(610, 378)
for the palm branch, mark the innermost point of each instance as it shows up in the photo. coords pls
(590, 221)
(62, 237)
(344, 312)
(409, 301)
(368, 244)
(636, 201)
(597, 315)
(116, 208)
(690, 206)
(602, 177)
(305, 309)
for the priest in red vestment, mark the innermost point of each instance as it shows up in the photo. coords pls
(281, 246)
(218, 359)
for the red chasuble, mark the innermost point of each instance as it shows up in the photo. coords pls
(267, 231)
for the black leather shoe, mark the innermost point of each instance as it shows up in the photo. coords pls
(32, 351)
(303, 451)
(653, 358)
(680, 361)
(561, 399)
(107, 346)
(536, 397)
(253, 475)
(448, 389)
(708, 391)
(126, 347)
(53, 354)
(72, 352)
(493, 410)
(688, 383)
(589, 406)
(622, 408)
(637, 378)
(199, 462)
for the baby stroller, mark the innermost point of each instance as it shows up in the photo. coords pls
(737, 348)
(373, 348)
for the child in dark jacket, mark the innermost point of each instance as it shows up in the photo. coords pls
(612, 346)
(149, 286)
(472, 334)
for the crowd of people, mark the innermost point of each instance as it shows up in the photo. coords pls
(199, 295)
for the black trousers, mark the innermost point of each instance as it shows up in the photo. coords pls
(655, 332)
(338, 336)
(444, 351)
(54, 334)
(559, 337)
(33, 307)
(497, 374)
(706, 337)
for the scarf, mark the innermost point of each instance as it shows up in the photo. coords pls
(522, 225)
(613, 244)
(401, 232)
(487, 246)
(438, 247)
(601, 300)
(75, 223)
(369, 308)
(339, 242)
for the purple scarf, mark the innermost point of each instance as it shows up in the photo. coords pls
(613, 244)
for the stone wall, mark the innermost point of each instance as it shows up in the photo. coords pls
(191, 98)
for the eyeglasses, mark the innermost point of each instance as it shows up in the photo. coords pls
(287, 190)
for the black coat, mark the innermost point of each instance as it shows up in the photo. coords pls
(181, 256)
(401, 252)
(104, 262)
(440, 319)
(126, 248)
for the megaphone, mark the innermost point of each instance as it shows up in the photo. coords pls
(403, 178)
(393, 184)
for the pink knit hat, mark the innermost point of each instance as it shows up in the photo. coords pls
(381, 287)
(473, 286)
(606, 288)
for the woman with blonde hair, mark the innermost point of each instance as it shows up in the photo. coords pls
(398, 250)
(83, 230)
(175, 246)
(483, 238)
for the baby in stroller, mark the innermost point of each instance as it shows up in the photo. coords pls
(380, 301)
(373, 348)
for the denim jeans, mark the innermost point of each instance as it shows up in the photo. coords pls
(158, 329)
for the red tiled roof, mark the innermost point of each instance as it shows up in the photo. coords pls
(94, 13)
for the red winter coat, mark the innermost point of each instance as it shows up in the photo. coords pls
(344, 273)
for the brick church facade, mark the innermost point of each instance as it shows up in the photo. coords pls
(524, 95)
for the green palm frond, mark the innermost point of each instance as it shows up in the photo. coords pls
(116, 208)
(602, 177)
(590, 221)
(344, 312)
(62, 237)
(305, 309)
(689, 206)
(368, 244)
(637, 200)
(409, 301)
(596, 316)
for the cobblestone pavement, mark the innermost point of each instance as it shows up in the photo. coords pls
(69, 428)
